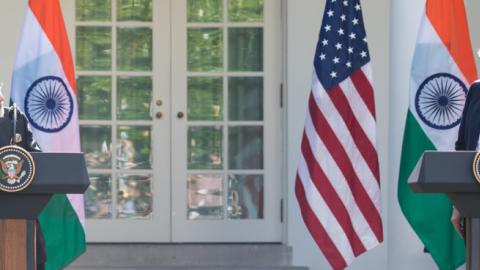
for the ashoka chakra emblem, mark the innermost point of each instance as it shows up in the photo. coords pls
(49, 104)
(440, 99)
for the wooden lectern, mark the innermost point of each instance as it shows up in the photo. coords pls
(451, 173)
(56, 173)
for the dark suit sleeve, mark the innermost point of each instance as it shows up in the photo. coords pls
(31, 144)
(460, 144)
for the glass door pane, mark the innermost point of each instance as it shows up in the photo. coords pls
(225, 173)
(122, 66)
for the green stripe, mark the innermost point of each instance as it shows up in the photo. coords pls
(63, 232)
(428, 214)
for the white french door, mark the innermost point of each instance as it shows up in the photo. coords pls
(180, 118)
(226, 173)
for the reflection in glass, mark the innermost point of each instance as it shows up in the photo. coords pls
(134, 98)
(134, 49)
(93, 10)
(205, 98)
(205, 10)
(96, 143)
(245, 49)
(94, 48)
(205, 196)
(134, 147)
(205, 49)
(245, 10)
(134, 200)
(134, 10)
(245, 96)
(205, 147)
(94, 97)
(98, 197)
(245, 197)
(245, 147)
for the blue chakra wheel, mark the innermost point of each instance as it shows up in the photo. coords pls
(439, 101)
(49, 104)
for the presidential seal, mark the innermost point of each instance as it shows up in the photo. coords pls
(17, 168)
(476, 166)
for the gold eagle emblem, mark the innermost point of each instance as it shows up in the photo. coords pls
(12, 170)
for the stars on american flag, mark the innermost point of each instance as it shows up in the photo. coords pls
(343, 44)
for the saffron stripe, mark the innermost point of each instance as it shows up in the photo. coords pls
(449, 19)
(49, 15)
(316, 229)
(365, 203)
(330, 196)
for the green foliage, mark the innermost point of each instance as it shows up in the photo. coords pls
(245, 98)
(205, 10)
(134, 49)
(93, 10)
(134, 98)
(94, 97)
(245, 147)
(245, 49)
(205, 147)
(134, 10)
(245, 10)
(205, 49)
(94, 48)
(205, 98)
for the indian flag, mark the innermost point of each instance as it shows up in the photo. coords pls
(442, 70)
(44, 88)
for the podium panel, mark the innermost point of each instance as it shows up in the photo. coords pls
(451, 173)
(17, 244)
(56, 173)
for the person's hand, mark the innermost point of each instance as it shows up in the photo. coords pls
(456, 218)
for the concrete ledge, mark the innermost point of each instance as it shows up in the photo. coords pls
(185, 256)
(190, 268)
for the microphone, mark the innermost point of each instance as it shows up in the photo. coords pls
(14, 138)
(2, 101)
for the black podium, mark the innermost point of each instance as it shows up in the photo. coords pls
(56, 173)
(451, 173)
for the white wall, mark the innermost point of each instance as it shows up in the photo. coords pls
(11, 22)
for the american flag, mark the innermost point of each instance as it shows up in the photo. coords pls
(338, 184)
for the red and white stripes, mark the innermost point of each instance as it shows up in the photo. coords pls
(337, 184)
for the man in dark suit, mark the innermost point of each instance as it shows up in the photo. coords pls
(23, 137)
(468, 135)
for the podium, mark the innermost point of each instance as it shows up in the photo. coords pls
(56, 173)
(451, 173)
